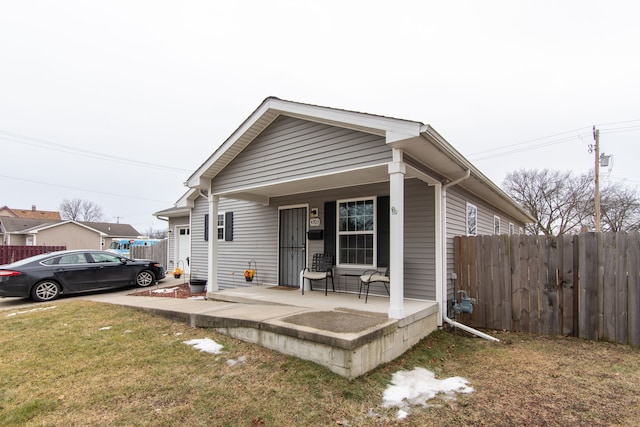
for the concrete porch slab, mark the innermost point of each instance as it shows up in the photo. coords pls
(338, 331)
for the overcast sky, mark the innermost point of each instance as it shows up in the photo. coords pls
(118, 102)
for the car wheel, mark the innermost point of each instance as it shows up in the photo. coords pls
(145, 278)
(47, 290)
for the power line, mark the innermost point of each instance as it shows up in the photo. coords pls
(84, 189)
(27, 140)
(526, 145)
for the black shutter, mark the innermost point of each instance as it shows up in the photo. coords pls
(383, 232)
(228, 226)
(206, 227)
(330, 229)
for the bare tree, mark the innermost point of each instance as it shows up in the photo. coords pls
(620, 208)
(80, 210)
(155, 234)
(559, 201)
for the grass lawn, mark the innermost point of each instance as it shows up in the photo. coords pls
(84, 363)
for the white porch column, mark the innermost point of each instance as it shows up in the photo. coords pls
(441, 268)
(212, 258)
(397, 170)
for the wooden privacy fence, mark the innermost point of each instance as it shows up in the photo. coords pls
(157, 252)
(585, 285)
(12, 253)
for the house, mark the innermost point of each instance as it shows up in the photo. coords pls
(32, 213)
(72, 234)
(373, 191)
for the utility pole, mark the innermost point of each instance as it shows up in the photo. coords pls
(596, 196)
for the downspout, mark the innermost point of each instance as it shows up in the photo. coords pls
(443, 272)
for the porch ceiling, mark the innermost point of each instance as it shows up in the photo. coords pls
(350, 178)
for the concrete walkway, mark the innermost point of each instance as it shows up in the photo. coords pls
(338, 330)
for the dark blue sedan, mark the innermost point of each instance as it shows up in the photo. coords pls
(45, 277)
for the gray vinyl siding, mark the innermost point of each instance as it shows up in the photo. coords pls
(255, 237)
(255, 231)
(419, 237)
(292, 148)
(456, 223)
(171, 246)
(199, 246)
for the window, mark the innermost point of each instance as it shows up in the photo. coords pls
(224, 226)
(496, 224)
(101, 257)
(512, 228)
(520, 230)
(472, 220)
(356, 232)
(221, 226)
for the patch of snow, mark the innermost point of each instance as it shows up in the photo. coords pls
(105, 328)
(402, 414)
(31, 311)
(418, 386)
(164, 291)
(207, 344)
(199, 297)
(232, 362)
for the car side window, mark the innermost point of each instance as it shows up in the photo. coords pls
(68, 259)
(99, 257)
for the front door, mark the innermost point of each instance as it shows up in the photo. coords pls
(292, 246)
(183, 249)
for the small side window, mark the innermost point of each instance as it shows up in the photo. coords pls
(472, 220)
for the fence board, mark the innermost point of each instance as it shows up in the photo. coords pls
(608, 299)
(525, 297)
(534, 289)
(505, 279)
(543, 295)
(515, 244)
(622, 294)
(586, 285)
(567, 280)
(588, 303)
(473, 273)
(157, 252)
(633, 289)
(13, 253)
(553, 287)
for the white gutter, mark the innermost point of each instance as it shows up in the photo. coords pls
(441, 291)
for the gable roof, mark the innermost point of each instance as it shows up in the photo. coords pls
(29, 225)
(29, 213)
(13, 224)
(180, 208)
(112, 230)
(424, 149)
(46, 226)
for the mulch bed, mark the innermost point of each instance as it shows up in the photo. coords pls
(179, 291)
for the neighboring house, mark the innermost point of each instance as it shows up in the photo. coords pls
(373, 191)
(33, 213)
(72, 234)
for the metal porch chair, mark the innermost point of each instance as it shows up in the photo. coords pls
(321, 268)
(373, 276)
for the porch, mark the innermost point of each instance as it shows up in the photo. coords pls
(338, 331)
